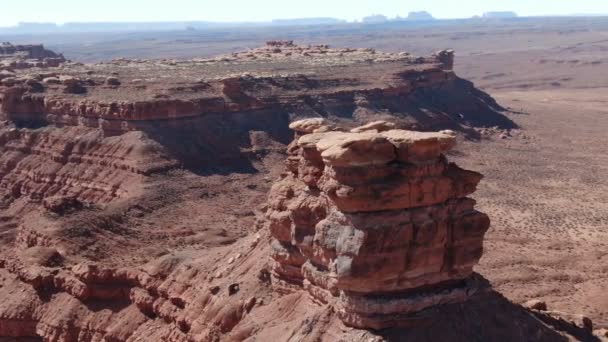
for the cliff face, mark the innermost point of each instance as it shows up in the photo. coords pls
(33, 51)
(305, 81)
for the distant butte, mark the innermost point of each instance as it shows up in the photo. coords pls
(420, 16)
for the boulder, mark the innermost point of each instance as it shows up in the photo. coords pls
(356, 149)
(112, 81)
(51, 80)
(6, 74)
(62, 204)
(536, 304)
(309, 125)
(75, 88)
(34, 85)
(415, 146)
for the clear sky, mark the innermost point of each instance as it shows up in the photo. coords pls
(60, 11)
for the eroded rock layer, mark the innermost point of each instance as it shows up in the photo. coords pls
(377, 218)
(74, 163)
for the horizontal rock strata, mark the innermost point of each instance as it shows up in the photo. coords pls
(74, 163)
(376, 220)
(124, 95)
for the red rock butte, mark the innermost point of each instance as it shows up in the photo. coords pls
(376, 221)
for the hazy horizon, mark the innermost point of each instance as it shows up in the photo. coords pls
(64, 11)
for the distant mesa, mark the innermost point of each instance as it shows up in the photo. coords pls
(307, 21)
(412, 16)
(37, 27)
(80, 27)
(499, 15)
(375, 19)
(420, 16)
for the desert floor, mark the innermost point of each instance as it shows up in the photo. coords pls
(545, 190)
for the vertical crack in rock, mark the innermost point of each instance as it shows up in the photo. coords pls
(375, 221)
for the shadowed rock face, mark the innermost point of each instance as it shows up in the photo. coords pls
(377, 218)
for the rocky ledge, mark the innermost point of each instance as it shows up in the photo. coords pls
(376, 220)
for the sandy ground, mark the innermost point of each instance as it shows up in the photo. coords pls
(545, 190)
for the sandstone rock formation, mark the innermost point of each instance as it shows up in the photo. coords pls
(446, 57)
(379, 220)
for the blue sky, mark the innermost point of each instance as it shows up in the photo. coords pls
(60, 11)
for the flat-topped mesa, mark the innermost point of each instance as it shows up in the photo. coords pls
(376, 221)
(125, 95)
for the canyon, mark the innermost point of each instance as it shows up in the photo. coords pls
(168, 200)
